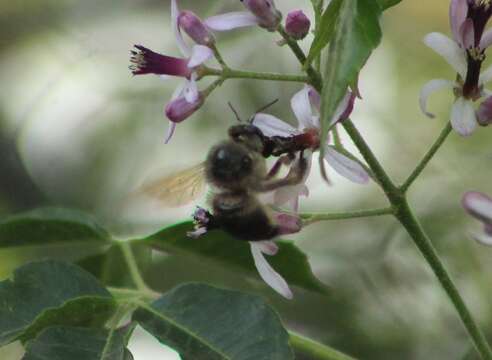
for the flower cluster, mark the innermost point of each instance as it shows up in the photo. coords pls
(187, 98)
(465, 52)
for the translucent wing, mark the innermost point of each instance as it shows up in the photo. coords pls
(179, 188)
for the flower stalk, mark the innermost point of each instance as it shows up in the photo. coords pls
(311, 218)
(427, 157)
(228, 73)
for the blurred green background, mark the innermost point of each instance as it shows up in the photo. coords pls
(77, 130)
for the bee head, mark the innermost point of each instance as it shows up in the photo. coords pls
(231, 165)
(248, 135)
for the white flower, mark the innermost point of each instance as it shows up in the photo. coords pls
(308, 122)
(465, 56)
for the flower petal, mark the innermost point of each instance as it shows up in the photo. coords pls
(346, 167)
(195, 234)
(478, 205)
(301, 106)
(232, 20)
(344, 109)
(272, 126)
(267, 247)
(315, 98)
(485, 76)
(467, 34)
(482, 238)
(190, 90)
(183, 47)
(430, 88)
(486, 39)
(447, 48)
(170, 132)
(484, 112)
(457, 15)
(272, 278)
(463, 117)
(199, 54)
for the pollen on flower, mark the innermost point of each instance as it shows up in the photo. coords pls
(484, 3)
(138, 60)
(476, 54)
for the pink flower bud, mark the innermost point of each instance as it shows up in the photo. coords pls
(145, 61)
(195, 28)
(297, 24)
(179, 109)
(266, 12)
(484, 112)
(288, 223)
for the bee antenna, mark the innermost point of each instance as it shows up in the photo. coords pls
(251, 119)
(271, 103)
(234, 111)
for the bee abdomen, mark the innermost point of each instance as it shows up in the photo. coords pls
(249, 220)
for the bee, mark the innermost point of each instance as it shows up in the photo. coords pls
(237, 172)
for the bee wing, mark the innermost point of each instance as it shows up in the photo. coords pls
(179, 188)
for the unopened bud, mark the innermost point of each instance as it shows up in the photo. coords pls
(297, 24)
(484, 112)
(179, 109)
(268, 15)
(195, 28)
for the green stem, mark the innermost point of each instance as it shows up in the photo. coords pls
(310, 218)
(428, 156)
(314, 350)
(212, 87)
(133, 268)
(315, 77)
(240, 74)
(420, 238)
(133, 293)
(337, 140)
(219, 57)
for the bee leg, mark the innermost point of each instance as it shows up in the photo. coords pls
(283, 160)
(294, 177)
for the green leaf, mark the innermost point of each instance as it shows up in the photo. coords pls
(325, 32)
(48, 293)
(62, 343)
(385, 4)
(357, 33)
(217, 247)
(50, 226)
(207, 323)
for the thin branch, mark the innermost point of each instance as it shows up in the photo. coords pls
(133, 268)
(240, 74)
(428, 156)
(310, 218)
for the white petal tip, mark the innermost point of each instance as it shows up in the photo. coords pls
(482, 239)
